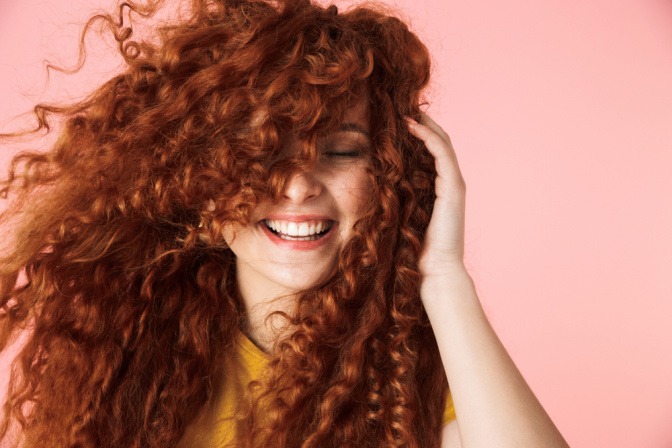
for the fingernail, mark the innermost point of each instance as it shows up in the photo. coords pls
(410, 120)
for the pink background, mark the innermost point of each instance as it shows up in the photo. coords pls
(561, 116)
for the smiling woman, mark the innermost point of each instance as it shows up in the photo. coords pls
(244, 239)
(292, 242)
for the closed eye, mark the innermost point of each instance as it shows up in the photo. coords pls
(343, 153)
(344, 146)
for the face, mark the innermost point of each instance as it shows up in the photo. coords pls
(293, 243)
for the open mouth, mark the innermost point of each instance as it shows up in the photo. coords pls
(303, 231)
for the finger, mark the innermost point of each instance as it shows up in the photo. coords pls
(433, 141)
(433, 125)
(426, 121)
(440, 148)
(437, 145)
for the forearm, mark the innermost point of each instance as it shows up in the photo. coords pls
(494, 405)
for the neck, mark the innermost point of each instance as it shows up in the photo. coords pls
(260, 300)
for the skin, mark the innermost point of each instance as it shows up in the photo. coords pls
(336, 188)
(494, 405)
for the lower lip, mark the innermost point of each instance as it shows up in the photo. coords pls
(298, 245)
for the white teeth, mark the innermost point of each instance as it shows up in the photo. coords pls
(300, 238)
(294, 229)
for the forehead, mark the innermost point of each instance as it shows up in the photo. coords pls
(358, 114)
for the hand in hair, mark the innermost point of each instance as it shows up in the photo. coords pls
(485, 383)
(443, 246)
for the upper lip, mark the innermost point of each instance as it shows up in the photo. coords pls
(297, 218)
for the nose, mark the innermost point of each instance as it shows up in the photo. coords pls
(301, 187)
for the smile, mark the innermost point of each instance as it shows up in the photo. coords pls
(299, 231)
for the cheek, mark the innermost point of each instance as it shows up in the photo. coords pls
(355, 192)
(234, 236)
(227, 234)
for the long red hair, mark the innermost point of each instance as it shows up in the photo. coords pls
(118, 269)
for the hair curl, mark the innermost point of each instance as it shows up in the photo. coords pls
(119, 270)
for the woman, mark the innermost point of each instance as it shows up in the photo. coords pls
(231, 243)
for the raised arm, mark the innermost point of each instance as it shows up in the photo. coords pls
(494, 405)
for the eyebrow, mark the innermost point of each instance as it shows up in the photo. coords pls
(353, 127)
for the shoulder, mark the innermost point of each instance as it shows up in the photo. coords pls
(450, 435)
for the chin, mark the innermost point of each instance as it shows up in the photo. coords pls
(297, 285)
(296, 280)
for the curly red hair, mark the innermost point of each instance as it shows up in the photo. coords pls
(118, 266)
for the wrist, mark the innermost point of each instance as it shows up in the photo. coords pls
(444, 279)
(443, 271)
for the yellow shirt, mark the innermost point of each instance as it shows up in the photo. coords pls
(246, 365)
